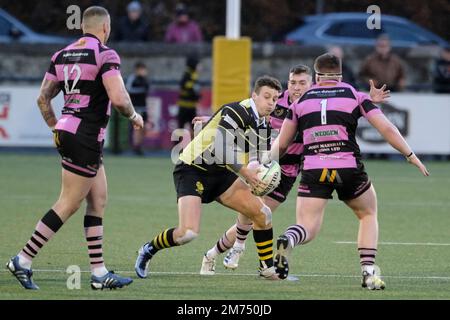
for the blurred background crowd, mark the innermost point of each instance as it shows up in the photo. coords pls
(159, 40)
(262, 20)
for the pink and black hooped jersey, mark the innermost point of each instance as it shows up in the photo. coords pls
(327, 117)
(79, 68)
(290, 162)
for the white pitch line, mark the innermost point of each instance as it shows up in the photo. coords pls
(400, 243)
(310, 275)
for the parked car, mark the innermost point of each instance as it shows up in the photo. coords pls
(12, 30)
(351, 28)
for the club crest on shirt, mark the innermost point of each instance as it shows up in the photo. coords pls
(199, 187)
(81, 43)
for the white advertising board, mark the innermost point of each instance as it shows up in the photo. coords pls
(423, 119)
(21, 122)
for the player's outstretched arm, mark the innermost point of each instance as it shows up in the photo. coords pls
(378, 95)
(391, 134)
(49, 90)
(120, 99)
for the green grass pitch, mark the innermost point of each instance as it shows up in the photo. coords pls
(414, 254)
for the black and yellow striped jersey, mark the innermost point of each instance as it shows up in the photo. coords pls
(234, 135)
(189, 90)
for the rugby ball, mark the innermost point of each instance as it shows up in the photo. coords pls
(269, 173)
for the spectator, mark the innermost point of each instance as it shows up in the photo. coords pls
(441, 72)
(383, 66)
(347, 73)
(138, 86)
(183, 29)
(133, 26)
(189, 93)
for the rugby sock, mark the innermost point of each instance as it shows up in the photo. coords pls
(242, 231)
(367, 256)
(93, 230)
(45, 229)
(296, 234)
(222, 245)
(264, 243)
(161, 241)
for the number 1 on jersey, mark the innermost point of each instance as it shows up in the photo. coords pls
(323, 111)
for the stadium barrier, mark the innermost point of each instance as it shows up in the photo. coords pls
(422, 118)
(21, 124)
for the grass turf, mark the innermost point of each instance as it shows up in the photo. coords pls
(412, 209)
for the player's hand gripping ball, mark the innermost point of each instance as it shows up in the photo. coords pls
(270, 174)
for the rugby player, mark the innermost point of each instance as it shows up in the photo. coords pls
(208, 170)
(326, 118)
(88, 74)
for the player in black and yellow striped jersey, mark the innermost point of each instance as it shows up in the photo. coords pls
(208, 168)
(189, 95)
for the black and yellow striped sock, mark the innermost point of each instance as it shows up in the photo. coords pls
(264, 244)
(163, 240)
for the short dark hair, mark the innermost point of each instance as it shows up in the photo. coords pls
(95, 11)
(300, 68)
(267, 81)
(327, 63)
(181, 9)
(383, 36)
(192, 62)
(140, 65)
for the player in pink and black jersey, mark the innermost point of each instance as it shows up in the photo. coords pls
(88, 74)
(326, 117)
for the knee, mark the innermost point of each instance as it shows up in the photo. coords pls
(96, 206)
(263, 218)
(311, 230)
(74, 207)
(186, 236)
(366, 213)
(67, 208)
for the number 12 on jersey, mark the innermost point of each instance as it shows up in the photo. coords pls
(75, 68)
(323, 111)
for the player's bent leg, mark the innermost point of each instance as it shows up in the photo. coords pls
(97, 197)
(241, 229)
(234, 241)
(223, 244)
(93, 223)
(244, 226)
(239, 198)
(310, 212)
(189, 213)
(93, 227)
(74, 190)
(365, 208)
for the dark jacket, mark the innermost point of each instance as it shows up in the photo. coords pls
(441, 76)
(132, 31)
(189, 89)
